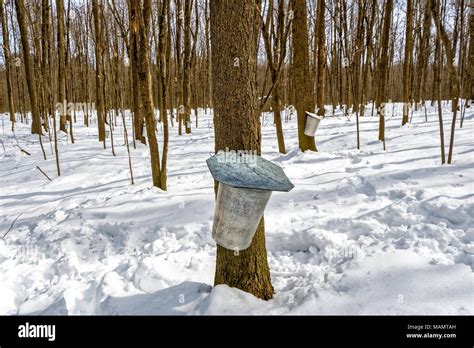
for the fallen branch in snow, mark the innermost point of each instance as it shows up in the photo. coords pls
(13, 223)
(43, 173)
(17, 144)
(29, 154)
(3, 145)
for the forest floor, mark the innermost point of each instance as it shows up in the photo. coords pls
(363, 232)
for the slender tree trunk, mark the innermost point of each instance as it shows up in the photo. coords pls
(461, 58)
(36, 32)
(52, 94)
(164, 61)
(29, 68)
(187, 66)
(302, 80)
(99, 78)
(358, 105)
(275, 59)
(369, 45)
(469, 79)
(407, 61)
(282, 42)
(453, 78)
(136, 100)
(61, 67)
(437, 88)
(141, 26)
(382, 78)
(69, 92)
(122, 111)
(46, 88)
(6, 51)
(208, 55)
(422, 71)
(179, 64)
(321, 68)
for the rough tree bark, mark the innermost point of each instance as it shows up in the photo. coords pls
(301, 77)
(368, 56)
(453, 77)
(237, 127)
(61, 66)
(275, 59)
(164, 60)
(140, 26)
(437, 92)
(6, 52)
(422, 65)
(136, 100)
(359, 49)
(179, 64)
(29, 68)
(321, 37)
(470, 77)
(382, 76)
(99, 78)
(407, 61)
(187, 66)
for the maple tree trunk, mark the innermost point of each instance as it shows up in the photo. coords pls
(383, 67)
(234, 65)
(6, 52)
(407, 61)
(301, 76)
(29, 68)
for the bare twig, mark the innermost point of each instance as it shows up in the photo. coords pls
(43, 173)
(18, 144)
(22, 150)
(13, 223)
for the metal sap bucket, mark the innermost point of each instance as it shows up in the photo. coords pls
(237, 215)
(312, 122)
(246, 183)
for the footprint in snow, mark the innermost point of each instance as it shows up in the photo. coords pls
(356, 160)
(377, 166)
(399, 176)
(354, 170)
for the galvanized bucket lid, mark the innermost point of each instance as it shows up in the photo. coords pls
(248, 171)
(310, 114)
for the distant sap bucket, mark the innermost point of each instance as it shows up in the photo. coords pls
(312, 122)
(345, 62)
(188, 124)
(143, 130)
(237, 215)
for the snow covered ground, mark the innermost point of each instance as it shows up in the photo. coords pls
(363, 232)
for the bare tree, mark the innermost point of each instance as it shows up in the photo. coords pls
(383, 67)
(408, 60)
(61, 66)
(275, 60)
(29, 68)
(453, 78)
(6, 52)
(301, 76)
